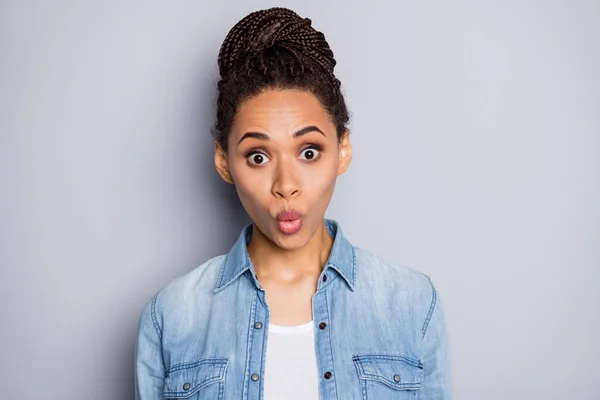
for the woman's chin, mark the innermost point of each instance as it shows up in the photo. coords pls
(290, 241)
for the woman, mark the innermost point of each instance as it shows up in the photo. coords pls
(294, 310)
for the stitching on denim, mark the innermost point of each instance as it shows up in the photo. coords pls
(251, 333)
(431, 308)
(363, 375)
(388, 357)
(153, 315)
(262, 300)
(360, 372)
(248, 275)
(329, 336)
(206, 361)
(221, 389)
(394, 385)
(195, 389)
(222, 272)
(245, 268)
(249, 278)
(350, 279)
(212, 379)
(338, 273)
(364, 389)
(353, 267)
(265, 333)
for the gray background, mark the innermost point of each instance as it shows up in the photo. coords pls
(476, 136)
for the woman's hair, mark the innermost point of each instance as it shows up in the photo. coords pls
(275, 49)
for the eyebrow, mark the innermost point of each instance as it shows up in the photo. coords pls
(297, 134)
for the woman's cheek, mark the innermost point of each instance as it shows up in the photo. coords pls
(253, 191)
(322, 179)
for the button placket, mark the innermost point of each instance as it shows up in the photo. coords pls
(327, 383)
(257, 346)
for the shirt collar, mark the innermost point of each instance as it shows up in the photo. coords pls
(342, 257)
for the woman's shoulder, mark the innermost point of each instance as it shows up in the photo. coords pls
(381, 272)
(200, 281)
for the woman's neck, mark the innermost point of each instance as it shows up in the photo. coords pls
(273, 262)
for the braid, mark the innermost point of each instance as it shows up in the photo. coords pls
(275, 48)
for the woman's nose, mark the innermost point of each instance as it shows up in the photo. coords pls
(285, 184)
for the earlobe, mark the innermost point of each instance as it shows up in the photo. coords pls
(222, 164)
(345, 153)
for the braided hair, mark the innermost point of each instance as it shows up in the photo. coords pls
(275, 49)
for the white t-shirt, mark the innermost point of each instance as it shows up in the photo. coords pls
(291, 363)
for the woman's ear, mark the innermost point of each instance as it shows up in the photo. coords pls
(345, 152)
(222, 164)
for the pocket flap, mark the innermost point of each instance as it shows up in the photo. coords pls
(185, 380)
(396, 371)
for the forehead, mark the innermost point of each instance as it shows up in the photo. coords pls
(281, 110)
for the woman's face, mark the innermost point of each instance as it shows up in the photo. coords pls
(284, 157)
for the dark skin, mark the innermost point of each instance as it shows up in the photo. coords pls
(284, 153)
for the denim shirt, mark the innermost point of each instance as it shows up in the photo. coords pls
(379, 331)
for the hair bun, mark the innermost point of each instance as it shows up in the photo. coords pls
(275, 26)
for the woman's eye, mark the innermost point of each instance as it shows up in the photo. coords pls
(258, 158)
(309, 154)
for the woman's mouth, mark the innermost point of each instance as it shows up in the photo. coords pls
(289, 222)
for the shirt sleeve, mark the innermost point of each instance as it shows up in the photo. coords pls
(437, 383)
(149, 365)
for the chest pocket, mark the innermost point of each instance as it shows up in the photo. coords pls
(204, 379)
(386, 376)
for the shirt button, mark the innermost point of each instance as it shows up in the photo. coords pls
(322, 325)
(254, 377)
(327, 375)
(396, 378)
(186, 386)
(324, 278)
(258, 325)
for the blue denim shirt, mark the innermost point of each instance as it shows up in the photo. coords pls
(379, 331)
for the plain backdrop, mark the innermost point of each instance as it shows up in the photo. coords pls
(476, 132)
